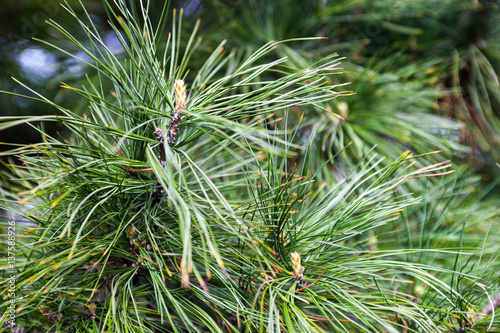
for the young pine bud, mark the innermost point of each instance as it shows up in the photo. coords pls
(180, 96)
(298, 270)
(180, 105)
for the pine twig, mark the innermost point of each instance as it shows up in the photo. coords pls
(161, 150)
(180, 105)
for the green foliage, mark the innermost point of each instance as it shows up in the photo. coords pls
(123, 230)
(409, 62)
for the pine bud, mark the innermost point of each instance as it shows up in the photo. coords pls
(180, 96)
(180, 104)
(298, 270)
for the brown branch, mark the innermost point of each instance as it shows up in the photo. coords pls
(161, 150)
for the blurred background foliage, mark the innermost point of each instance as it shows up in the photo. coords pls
(36, 64)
